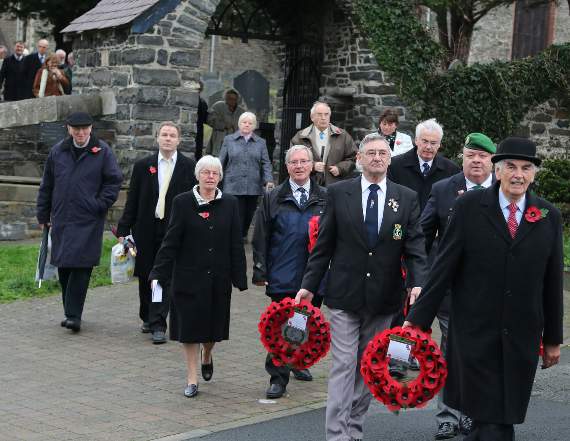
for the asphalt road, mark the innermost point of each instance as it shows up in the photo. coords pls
(548, 418)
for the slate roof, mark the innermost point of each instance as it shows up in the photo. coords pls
(110, 14)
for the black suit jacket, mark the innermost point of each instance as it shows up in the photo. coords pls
(139, 213)
(363, 277)
(506, 293)
(32, 63)
(405, 170)
(12, 75)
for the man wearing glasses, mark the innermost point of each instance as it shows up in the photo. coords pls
(421, 167)
(280, 245)
(370, 225)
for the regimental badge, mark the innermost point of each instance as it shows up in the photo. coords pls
(397, 233)
(393, 204)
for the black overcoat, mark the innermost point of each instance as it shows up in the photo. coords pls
(360, 276)
(12, 75)
(505, 295)
(405, 170)
(139, 214)
(75, 197)
(203, 257)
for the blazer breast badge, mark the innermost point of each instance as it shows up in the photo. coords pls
(397, 233)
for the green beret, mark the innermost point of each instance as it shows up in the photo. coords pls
(478, 141)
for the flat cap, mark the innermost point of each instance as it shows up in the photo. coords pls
(79, 119)
(517, 148)
(479, 141)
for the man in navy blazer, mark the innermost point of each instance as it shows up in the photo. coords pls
(476, 175)
(155, 181)
(370, 224)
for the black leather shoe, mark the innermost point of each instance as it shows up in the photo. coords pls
(158, 337)
(208, 369)
(275, 391)
(447, 431)
(145, 328)
(191, 390)
(302, 375)
(74, 325)
(466, 425)
(64, 323)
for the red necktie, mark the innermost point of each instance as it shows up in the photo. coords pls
(512, 221)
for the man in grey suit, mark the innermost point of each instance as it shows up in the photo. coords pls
(369, 225)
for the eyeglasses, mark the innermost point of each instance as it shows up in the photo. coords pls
(431, 143)
(300, 162)
(372, 153)
(209, 173)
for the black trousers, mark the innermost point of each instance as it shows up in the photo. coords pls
(280, 374)
(155, 314)
(247, 206)
(74, 283)
(491, 432)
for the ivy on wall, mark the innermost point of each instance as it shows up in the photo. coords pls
(490, 98)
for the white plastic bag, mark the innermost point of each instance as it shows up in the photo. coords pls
(122, 264)
(50, 271)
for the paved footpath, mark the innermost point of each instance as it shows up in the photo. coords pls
(110, 383)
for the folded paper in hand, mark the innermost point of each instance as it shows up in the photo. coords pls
(156, 292)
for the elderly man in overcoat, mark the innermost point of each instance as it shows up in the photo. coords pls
(333, 148)
(503, 302)
(370, 225)
(81, 181)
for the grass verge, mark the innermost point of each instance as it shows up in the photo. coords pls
(18, 269)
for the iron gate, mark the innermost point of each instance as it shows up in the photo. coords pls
(300, 91)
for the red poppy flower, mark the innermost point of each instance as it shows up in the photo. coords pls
(95, 150)
(204, 214)
(534, 214)
(152, 170)
(313, 232)
(398, 142)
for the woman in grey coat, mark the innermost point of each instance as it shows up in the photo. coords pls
(247, 168)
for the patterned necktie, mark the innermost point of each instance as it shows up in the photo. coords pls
(512, 221)
(477, 187)
(371, 221)
(425, 169)
(322, 136)
(303, 199)
(164, 188)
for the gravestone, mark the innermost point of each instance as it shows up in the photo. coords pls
(254, 89)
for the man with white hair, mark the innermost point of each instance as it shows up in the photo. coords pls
(33, 63)
(64, 67)
(423, 166)
(155, 181)
(280, 245)
(333, 148)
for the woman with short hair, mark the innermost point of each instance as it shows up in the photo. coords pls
(247, 168)
(203, 254)
(387, 126)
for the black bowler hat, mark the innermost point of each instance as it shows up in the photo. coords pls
(79, 119)
(517, 148)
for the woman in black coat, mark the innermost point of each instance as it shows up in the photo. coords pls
(203, 254)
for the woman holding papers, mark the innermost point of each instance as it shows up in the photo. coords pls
(203, 254)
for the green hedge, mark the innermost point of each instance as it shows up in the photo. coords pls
(553, 184)
(490, 98)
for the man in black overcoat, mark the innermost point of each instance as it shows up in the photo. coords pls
(476, 175)
(370, 224)
(423, 166)
(155, 181)
(12, 75)
(33, 63)
(503, 302)
(81, 181)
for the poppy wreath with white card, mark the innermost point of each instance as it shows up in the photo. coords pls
(399, 343)
(297, 336)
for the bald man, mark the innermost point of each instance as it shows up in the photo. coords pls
(32, 63)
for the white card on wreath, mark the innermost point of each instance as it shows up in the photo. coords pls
(298, 321)
(399, 350)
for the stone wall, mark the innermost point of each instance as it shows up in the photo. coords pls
(549, 126)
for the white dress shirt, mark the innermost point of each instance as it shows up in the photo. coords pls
(161, 171)
(295, 189)
(486, 183)
(364, 183)
(504, 204)
(422, 162)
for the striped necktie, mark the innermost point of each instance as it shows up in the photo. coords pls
(512, 221)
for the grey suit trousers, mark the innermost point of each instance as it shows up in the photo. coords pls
(348, 395)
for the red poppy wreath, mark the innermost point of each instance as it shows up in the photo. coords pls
(415, 393)
(315, 341)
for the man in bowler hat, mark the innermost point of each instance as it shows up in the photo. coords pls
(504, 302)
(81, 181)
